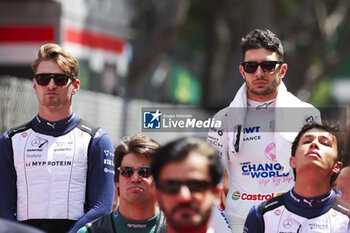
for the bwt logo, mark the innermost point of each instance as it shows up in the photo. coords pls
(152, 120)
(251, 129)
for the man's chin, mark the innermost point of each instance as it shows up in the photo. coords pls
(51, 104)
(262, 92)
(187, 226)
(187, 223)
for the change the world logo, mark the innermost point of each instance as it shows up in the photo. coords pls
(152, 119)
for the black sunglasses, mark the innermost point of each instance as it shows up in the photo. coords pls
(267, 66)
(173, 186)
(143, 172)
(43, 79)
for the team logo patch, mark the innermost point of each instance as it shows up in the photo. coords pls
(270, 152)
(288, 223)
(310, 119)
(35, 142)
(277, 212)
(39, 143)
(251, 197)
(236, 195)
(333, 214)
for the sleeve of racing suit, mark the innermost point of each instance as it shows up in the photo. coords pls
(254, 222)
(100, 180)
(217, 137)
(8, 179)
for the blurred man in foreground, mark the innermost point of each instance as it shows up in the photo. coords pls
(342, 184)
(218, 220)
(187, 174)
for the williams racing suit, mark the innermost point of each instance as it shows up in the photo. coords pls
(56, 175)
(293, 213)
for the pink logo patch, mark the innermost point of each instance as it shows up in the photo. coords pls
(270, 152)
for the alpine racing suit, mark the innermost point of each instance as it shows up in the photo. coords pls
(254, 145)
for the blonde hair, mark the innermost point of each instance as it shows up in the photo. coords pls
(56, 53)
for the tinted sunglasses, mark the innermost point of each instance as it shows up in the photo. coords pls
(267, 66)
(173, 186)
(143, 172)
(43, 79)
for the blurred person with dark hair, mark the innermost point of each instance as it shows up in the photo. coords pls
(311, 205)
(342, 184)
(218, 220)
(56, 171)
(187, 174)
(258, 126)
(137, 210)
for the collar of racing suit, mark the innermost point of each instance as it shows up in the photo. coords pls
(311, 202)
(54, 128)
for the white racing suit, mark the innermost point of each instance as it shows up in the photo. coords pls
(254, 145)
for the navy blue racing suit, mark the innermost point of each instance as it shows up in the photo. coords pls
(56, 176)
(291, 213)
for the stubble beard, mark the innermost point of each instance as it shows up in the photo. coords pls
(52, 102)
(188, 226)
(268, 90)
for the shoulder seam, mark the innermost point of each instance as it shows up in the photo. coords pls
(87, 127)
(271, 204)
(102, 224)
(341, 206)
(19, 129)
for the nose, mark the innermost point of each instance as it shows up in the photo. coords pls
(184, 194)
(314, 144)
(259, 71)
(52, 83)
(135, 177)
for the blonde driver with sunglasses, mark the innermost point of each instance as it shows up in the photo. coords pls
(54, 170)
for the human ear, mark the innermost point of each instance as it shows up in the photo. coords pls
(241, 70)
(284, 68)
(217, 192)
(337, 167)
(292, 162)
(76, 85)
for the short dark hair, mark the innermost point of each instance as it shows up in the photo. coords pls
(262, 38)
(138, 144)
(180, 149)
(324, 127)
